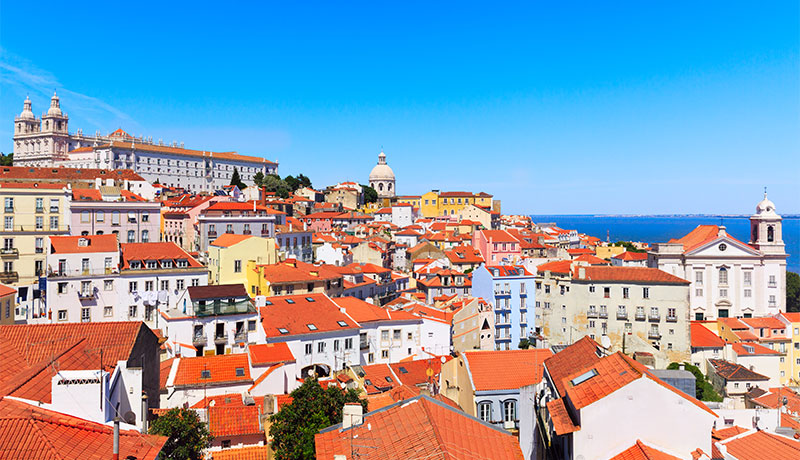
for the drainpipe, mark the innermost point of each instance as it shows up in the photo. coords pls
(144, 413)
(115, 455)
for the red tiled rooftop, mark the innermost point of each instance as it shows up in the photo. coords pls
(489, 369)
(234, 420)
(227, 240)
(84, 244)
(762, 445)
(702, 337)
(267, 354)
(155, 251)
(243, 453)
(556, 266)
(734, 372)
(633, 274)
(752, 349)
(578, 355)
(629, 256)
(562, 422)
(641, 451)
(222, 370)
(295, 313)
(768, 322)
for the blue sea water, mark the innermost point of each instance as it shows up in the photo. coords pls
(660, 229)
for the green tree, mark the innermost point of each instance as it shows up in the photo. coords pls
(370, 195)
(304, 181)
(236, 180)
(792, 292)
(703, 389)
(628, 246)
(188, 435)
(258, 178)
(274, 183)
(524, 344)
(292, 182)
(312, 409)
(6, 160)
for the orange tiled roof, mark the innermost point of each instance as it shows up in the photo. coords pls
(629, 256)
(267, 354)
(726, 433)
(243, 453)
(28, 432)
(641, 451)
(416, 372)
(6, 290)
(420, 428)
(556, 266)
(181, 151)
(489, 368)
(733, 372)
(769, 322)
(702, 337)
(227, 240)
(634, 274)
(222, 370)
(592, 260)
(66, 174)
(365, 312)
(762, 445)
(295, 272)
(164, 368)
(774, 399)
(752, 349)
(562, 422)
(498, 236)
(155, 251)
(94, 243)
(234, 420)
(578, 355)
(26, 370)
(296, 314)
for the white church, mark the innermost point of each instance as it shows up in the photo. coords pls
(730, 278)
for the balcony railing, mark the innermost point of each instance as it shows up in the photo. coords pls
(672, 318)
(212, 234)
(622, 315)
(591, 314)
(654, 317)
(246, 232)
(640, 317)
(199, 340)
(9, 209)
(9, 277)
(39, 210)
(240, 337)
(602, 314)
(223, 308)
(86, 295)
(221, 338)
(364, 344)
(653, 335)
(9, 251)
(79, 272)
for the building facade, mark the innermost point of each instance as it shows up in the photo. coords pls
(511, 292)
(381, 178)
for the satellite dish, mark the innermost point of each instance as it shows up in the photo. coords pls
(605, 341)
(129, 418)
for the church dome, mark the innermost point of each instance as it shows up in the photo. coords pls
(27, 113)
(765, 206)
(55, 106)
(381, 171)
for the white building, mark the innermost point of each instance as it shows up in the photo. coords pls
(730, 278)
(320, 334)
(221, 318)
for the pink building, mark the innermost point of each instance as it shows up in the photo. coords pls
(497, 246)
(111, 210)
(180, 218)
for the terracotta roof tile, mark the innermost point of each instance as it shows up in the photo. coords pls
(641, 451)
(66, 174)
(578, 355)
(267, 354)
(702, 337)
(233, 156)
(155, 251)
(761, 445)
(75, 244)
(234, 420)
(752, 349)
(634, 274)
(557, 266)
(769, 322)
(416, 372)
(421, 428)
(733, 372)
(28, 432)
(489, 368)
(296, 315)
(221, 369)
(227, 240)
(243, 453)
(562, 422)
(629, 256)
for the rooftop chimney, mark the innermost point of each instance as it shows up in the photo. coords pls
(115, 452)
(352, 415)
(144, 412)
(582, 273)
(722, 231)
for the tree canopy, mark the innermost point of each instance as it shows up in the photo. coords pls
(281, 187)
(704, 391)
(188, 435)
(236, 180)
(628, 246)
(370, 195)
(6, 160)
(792, 292)
(312, 409)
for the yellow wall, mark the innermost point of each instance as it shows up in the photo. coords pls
(415, 202)
(455, 384)
(607, 252)
(440, 206)
(792, 368)
(221, 261)
(24, 232)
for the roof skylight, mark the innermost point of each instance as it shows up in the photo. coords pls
(583, 377)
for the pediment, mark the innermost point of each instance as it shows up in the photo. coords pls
(724, 246)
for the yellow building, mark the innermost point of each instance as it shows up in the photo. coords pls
(607, 252)
(413, 200)
(793, 353)
(31, 213)
(292, 277)
(228, 257)
(436, 203)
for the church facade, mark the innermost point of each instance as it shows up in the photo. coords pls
(730, 278)
(381, 178)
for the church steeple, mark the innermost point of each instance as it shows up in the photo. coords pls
(766, 228)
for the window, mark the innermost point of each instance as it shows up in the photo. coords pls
(39, 223)
(385, 334)
(371, 358)
(336, 345)
(698, 278)
(321, 347)
(165, 285)
(237, 266)
(591, 288)
(509, 411)
(132, 311)
(308, 349)
(625, 293)
(9, 204)
(606, 292)
(108, 311)
(84, 217)
(86, 314)
(54, 205)
(723, 276)
(384, 354)
(62, 315)
(133, 286)
(40, 205)
(485, 411)
(115, 218)
(772, 282)
(748, 293)
(698, 292)
(772, 302)
(53, 222)
(195, 282)
(148, 286)
(9, 223)
(723, 293)
(145, 217)
(646, 293)
(747, 276)
(348, 344)
(145, 236)
(99, 216)
(396, 334)
(131, 236)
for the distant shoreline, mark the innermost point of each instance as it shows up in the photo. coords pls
(723, 216)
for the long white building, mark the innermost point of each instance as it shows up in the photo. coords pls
(730, 278)
(46, 141)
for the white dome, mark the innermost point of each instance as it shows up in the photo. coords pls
(27, 113)
(55, 106)
(381, 171)
(765, 206)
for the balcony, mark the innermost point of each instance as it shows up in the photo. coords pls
(199, 340)
(591, 314)
(39, 210)
(602, 315)
(240, 337)
(221, 338)
(9, 209)
(212, 234)
(364, 345)
(246, 232)
(640, 316)
(54, 209)
(86, 295)
(672, 319)
(9, 277)
(622, 315)
(654, 317)
(11, 252)
(223, 308)
(654, 335)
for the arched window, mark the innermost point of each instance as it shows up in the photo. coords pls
(485, 411)
(770, 234)
(131, 236)
(723, 275)
(389, 187)
(380, 186)
(145, 236)
(509, 410)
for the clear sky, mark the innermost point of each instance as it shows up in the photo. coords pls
(597, 107)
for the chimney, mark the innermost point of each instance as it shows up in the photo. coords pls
(115, 455)
(582, 273)
(352, 415)
(722, 231)
(144, 412)
(681, 366)
(263, 196)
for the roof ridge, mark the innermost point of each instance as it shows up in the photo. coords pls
(47, 441)
(37, 368)
(434, 427)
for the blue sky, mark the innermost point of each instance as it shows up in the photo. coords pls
(582, 108)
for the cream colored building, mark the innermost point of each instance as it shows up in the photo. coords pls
(31, 213)
(637, 308)
(229, 255)
(473, 326)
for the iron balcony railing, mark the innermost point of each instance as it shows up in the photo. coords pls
(223, 307)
